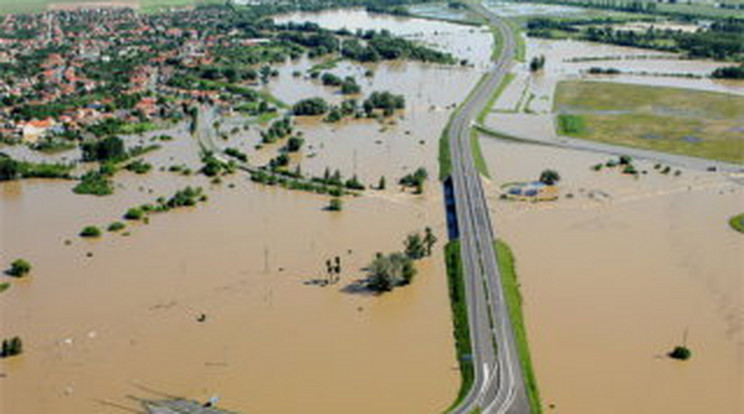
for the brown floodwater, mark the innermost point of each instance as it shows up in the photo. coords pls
(103, 330)
(616, 276)
(622, 271)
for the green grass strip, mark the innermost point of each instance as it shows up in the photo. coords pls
(326, 64)
(520, 51)
(496, 94)
(273, 99)
(498, 42)
(513, 297)
(445, 154)
(480, 161)
(458, 301)
(737, 223)
(4, 287)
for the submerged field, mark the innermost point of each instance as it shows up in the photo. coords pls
(681, 121)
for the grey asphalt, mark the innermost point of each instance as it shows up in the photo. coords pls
(498, 386)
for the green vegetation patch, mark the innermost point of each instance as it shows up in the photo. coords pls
(458, 301)
(480, 161)
(19, 268)
(737, 223)
(520, 50)
(680, 121)
(513, 297)
(445, 154)
(4, 287)
(508, 78)
(571, 124)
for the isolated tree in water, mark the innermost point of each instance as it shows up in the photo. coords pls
(415, 248)
(429, 240)
(549, 177)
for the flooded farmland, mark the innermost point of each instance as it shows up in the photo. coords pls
(218, 300)
(616, 276)
(620, 270)
(108, 321)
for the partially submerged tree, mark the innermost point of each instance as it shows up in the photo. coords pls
(19, 268)
(11, 347)
(388, 271)
(549, 177)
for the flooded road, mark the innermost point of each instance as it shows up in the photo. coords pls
(107, 319)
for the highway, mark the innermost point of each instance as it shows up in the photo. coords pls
(498, 385)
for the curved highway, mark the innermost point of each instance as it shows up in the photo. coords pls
(498, 385)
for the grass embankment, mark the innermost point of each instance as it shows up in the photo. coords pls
(520, 47)
(480, 161)
(445, 154)
(327, 64)
(680, 121)
(508, 78)
(273, 100)
(513, 297)
(458, 301)
(498, 42)
(737, 223)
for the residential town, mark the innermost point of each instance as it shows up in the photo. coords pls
(63, 71)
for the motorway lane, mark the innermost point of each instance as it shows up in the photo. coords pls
(498, 386)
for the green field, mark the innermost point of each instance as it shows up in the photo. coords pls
(680, 121)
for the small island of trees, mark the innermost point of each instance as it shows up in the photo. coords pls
(19, 268)
(11, 347)
(388, 271)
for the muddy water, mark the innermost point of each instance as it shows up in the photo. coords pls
(614, 277)
(123, 322)
(511, 9)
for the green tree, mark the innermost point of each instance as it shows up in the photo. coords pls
(429, 240)
(11, 347)
(310, 107)
(381, 184)
(414, 246)
(108, 149)
(90, 231)
(549, 177)
(388, 271)
(116, 226)
(335, 204)
(19, 268)
(680, 352)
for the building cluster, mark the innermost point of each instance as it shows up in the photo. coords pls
(62, 71)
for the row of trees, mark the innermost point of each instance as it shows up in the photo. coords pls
(383, 45)
(722, 40)
(348, 84)
(384, 100)
(729, 72)
(11, 169)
